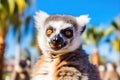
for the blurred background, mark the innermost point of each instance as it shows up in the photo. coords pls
(18, 47)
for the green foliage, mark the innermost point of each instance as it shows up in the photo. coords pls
(116, 42)
(102, 60)
(116, 25)
(11, 12)
(94, 35)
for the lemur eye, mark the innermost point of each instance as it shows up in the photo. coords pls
(49, 31)
(68, 33)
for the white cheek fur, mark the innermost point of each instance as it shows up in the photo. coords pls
(44, 45)
(76, 42)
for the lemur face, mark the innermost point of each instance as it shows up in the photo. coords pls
(59, 33)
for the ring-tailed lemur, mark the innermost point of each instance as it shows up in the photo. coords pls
(59, 38)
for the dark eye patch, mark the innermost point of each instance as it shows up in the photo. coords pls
(68, 32)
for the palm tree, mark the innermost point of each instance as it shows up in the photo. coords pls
(94, 35)
(116, 42)
(11, 12)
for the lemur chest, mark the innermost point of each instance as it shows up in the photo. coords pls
(46, 70)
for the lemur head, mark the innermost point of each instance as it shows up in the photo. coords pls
(59, 33)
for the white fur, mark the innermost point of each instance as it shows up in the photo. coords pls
(110, 67)
(18, 68)
(101, 68)
(83, 20)
(47, 67)
(59, 25)
(118, 70)
(40, 17)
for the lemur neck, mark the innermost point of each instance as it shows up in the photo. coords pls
(52, 55)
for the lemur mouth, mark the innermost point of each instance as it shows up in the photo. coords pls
(57, 46)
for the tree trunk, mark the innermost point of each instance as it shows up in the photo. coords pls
(2, 49)
(95, 58)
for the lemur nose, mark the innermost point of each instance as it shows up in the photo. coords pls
(57, 39)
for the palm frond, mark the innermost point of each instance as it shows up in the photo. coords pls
(116, 44)
(116, 25)
(95, 35)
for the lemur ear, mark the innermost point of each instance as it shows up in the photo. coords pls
(82, 21)
(40, 18)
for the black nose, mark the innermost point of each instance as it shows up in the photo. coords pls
(57, 39)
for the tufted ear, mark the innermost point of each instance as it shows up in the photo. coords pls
(40, 18)
(82, 21)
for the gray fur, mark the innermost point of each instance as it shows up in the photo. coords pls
(65, 18)
(79, 67)
(71, 66)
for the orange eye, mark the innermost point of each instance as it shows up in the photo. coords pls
(49, 31)
(68, 33)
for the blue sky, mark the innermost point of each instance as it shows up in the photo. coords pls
(102, 13)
